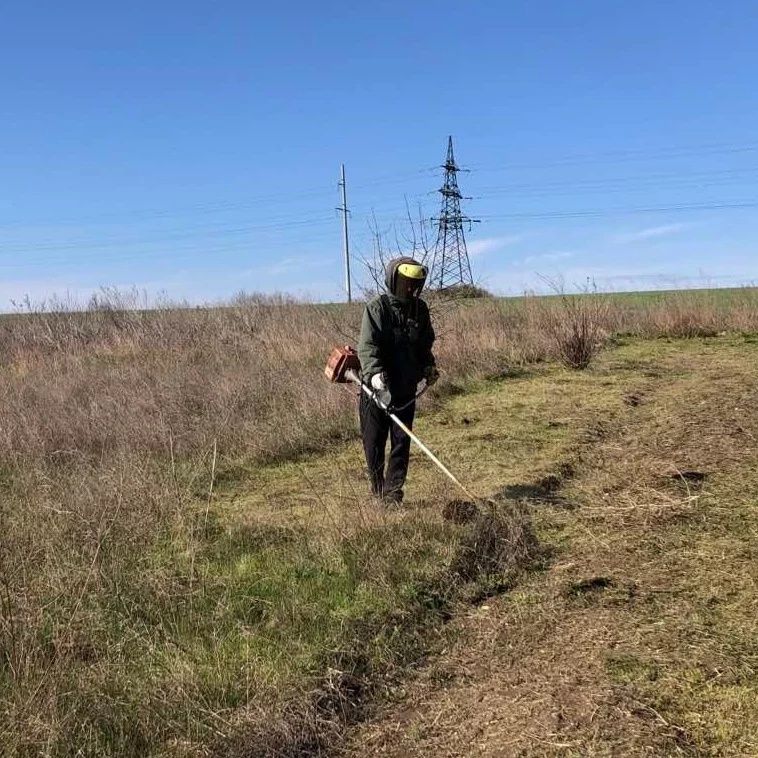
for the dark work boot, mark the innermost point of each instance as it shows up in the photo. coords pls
(377, 483)
(393, 497)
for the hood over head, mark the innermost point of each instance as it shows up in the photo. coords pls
(405, 277)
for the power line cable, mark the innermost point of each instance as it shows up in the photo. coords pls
(225, 206)
(601, 183)
(737, 205)
(191, 234)
(151, 255)
(619, 156)
(400, 177)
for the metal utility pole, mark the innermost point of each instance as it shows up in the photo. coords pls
(345, 238)
(450, 265)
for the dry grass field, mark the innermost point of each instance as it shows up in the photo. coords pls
(190, 565)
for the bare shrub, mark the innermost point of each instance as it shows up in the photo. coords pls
(463, 292)
(576, 324)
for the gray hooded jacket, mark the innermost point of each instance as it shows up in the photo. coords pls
(396, 338)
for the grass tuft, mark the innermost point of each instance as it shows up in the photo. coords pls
(499, 542)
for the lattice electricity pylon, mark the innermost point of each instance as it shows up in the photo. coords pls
(450, 265)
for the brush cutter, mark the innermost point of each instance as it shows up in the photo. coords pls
(343, 366)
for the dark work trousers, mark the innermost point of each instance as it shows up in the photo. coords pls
(376, 425)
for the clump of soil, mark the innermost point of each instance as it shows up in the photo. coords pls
(692, 477)
(588, 586)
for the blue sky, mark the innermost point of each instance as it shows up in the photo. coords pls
(194, 147)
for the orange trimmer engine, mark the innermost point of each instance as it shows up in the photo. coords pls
(341, 361)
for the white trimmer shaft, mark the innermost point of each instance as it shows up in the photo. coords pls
(353, 377)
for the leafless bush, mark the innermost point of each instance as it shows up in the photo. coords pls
(577, 324)
(411, 239)
(414, 239)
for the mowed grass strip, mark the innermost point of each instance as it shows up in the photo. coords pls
(347, 575)
(639, 638)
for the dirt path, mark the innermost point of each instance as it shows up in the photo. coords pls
(638, 636)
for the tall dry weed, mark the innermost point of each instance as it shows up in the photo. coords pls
(577, 325)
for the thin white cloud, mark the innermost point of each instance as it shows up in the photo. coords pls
(651, 232)
(288, 265)
(486, 245)
(550, 257)
(626, 277)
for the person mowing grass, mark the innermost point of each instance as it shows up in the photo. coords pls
(395, 351)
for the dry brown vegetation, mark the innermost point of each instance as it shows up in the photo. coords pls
(131, 617)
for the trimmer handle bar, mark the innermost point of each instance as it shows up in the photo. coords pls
(343, 366)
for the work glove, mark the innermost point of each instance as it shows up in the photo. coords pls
(381, 388)
(379, 382)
